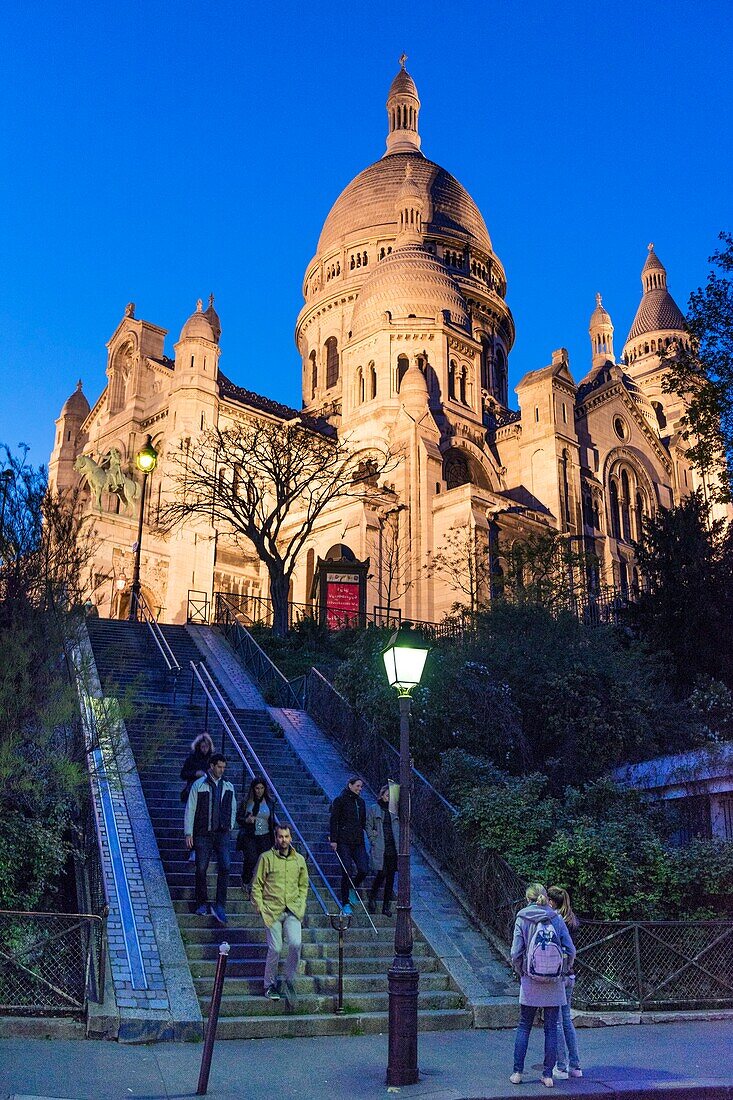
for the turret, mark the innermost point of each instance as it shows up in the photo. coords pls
(601, 334)
(69, 440)
(403, 109)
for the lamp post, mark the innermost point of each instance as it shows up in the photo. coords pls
(146, 460)
(404, 660)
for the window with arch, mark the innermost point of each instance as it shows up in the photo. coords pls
(332, 362)
(615, 513)
(313, 373)
(500, 367)
(359, 386)
(629, 501)
(372, 381)
(455, 469)
(659, 413)
(452, 370)
(403, 364)
(625, 506)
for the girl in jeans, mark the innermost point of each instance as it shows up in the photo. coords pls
(568, 1059)
(548, 994)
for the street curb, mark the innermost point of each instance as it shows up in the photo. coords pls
(688, 1090)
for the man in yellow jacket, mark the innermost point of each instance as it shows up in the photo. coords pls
(279, 892)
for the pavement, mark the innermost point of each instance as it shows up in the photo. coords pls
(691, 1059)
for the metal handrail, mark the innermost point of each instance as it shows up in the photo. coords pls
(219, 703)
(245, 641)
(157, 634)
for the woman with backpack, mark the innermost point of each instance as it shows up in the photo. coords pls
(541, 952)
(568, 1059)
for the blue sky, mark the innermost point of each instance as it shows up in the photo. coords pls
(154, 152)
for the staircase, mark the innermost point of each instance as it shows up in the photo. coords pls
(160, 733)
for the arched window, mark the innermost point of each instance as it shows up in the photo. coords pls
(372, 381)
(565, 487)
(659, 412)
(314, 373)
(455, 469)
(462, 383)
(640, 513)
(359, 386)
(615, 512)
(332, 362)
(500, 381)
(625, 506)
(452, 380)
(402, 366)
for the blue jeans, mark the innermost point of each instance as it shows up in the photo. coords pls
(204, 847)
(567, 1041)
(521, 1041)
(356, 854)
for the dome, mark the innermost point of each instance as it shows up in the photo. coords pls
(414, 389)
(600, 315)
(367, 206)
(641, 401)
(213, 318)
(198, 326)
(403, 84)
(409, 281)
(76, 405)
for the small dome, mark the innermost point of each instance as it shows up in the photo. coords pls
(198, 325)
(76, 405)
(213, 318)
(403, 84)
(408, 282)
(652, 263)
(600, 315)
(414, 389)
(658, 311)
(641, 401)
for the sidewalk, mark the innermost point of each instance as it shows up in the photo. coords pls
(693, 1060)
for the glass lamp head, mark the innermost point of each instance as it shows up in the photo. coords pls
(404, 659)
(146, 458)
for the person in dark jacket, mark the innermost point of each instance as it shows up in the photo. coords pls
(383, 834)
(346, 837)
(196, 763)
(211, 812)
(255, 818)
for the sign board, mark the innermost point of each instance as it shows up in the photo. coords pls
(340, 586)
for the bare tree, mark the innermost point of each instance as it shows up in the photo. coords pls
(549, 569)
(463, 561)
(267, 482)
(387, 549)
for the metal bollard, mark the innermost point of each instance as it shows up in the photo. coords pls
(340, 923)
(221, 965)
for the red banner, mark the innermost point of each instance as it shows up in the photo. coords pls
(342, 600)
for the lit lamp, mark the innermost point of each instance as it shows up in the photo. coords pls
(404, 660)
(146, 460)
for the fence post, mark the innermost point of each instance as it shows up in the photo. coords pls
(340, 923)
(221, 965)
(639, 976)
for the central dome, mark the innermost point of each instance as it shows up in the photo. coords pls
(409, 282)
(367, 206)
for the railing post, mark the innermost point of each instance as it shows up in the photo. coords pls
(340, 922)
(221, 965)
(639, 973)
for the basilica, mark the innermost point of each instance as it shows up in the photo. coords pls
(404, 339)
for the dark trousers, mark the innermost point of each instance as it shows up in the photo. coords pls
(386, 876)
(252, 849)
(356, 855)
(204, 847)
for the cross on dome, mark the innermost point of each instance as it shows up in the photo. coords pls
(403, 60)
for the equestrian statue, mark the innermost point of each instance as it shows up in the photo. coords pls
(107, 476)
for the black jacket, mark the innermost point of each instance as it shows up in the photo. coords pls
(348, 818)
(195, 762)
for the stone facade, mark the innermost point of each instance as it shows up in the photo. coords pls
(404, 338)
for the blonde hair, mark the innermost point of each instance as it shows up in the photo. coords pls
(560, 898)
(537, 893)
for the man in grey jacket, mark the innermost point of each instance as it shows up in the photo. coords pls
(208, 821)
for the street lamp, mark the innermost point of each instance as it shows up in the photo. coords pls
(404, 660)
(146, 460)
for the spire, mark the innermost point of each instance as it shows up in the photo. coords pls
(653, 273)
(403, 108)
(601, 334)
(409, 210)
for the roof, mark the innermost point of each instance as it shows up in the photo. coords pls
(229, 391)
(657, 311)
(368, 205)
(77, 404)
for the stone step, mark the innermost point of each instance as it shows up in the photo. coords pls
(203, 945)
(285, 1025)
(318, 985)
(249, 968)
(308, 1004)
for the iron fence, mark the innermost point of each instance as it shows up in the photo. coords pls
(648, 965)
(197, 610)
(47, 962)
(621, 965)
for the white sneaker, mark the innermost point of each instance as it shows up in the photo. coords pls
(560, 1074)
(547, 1082)
(516, 1078)
(576, 1073)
